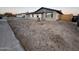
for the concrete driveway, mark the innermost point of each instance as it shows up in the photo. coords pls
(8, 41)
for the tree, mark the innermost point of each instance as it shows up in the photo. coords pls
(9, 15)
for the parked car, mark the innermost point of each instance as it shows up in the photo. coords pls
(75, 18)
(1, 17)
(78, 21)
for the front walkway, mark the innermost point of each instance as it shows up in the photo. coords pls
(8, 42)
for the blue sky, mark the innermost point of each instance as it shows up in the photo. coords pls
(65, 10)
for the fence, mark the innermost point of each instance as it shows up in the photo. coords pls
(66, 17)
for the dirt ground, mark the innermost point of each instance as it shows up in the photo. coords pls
(46, 35)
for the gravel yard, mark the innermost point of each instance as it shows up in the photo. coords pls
(46, 35)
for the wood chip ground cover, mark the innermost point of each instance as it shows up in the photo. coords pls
(45, 35)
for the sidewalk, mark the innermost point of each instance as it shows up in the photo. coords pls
(8, 41)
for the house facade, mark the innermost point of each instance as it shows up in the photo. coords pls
(44, 14)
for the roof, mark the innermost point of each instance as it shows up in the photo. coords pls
(40, 11)
(48, 10)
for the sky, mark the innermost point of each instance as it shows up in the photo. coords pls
(16, 10)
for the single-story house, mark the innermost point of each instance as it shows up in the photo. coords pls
(45, 14)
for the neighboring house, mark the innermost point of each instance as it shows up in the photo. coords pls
(45, 14)
(21, 15)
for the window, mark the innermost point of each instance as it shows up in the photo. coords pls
(48, 15)
(51, 15)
